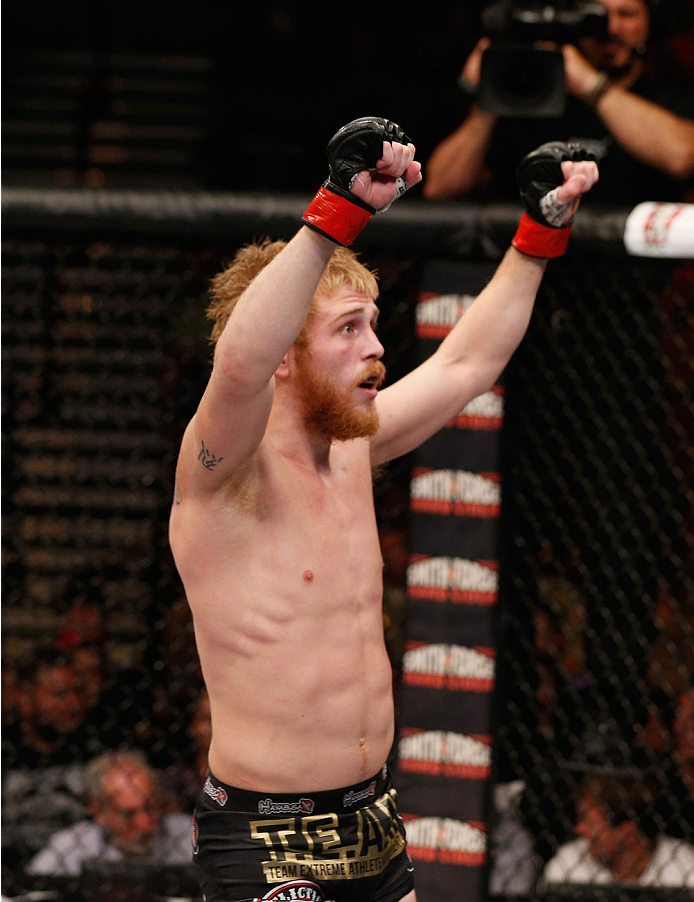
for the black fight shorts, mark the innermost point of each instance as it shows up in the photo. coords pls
(346, 845)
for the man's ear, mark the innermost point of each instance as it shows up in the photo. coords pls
(289, 362)
(282, 370)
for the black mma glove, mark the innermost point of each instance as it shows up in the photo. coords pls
(335, 212)
(542, 231)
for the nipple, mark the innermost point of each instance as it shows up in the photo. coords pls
(308, 576)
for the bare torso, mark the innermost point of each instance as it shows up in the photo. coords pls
(283, 573)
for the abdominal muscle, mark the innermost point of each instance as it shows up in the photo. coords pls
(285, 587)
(314, 729)
(309, 713)
(289, 627)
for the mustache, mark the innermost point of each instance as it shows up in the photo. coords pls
(376, 371)
(639, 48)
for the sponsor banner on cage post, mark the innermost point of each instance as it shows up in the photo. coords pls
(446, 753)
(449, 855)
(454, 579)
(445, 743)
(440, 665)
(485, 412)
(436, 313)
(459, 493)
(446, 840)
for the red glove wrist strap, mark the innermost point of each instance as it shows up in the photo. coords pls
(537, 240)
(335, 216)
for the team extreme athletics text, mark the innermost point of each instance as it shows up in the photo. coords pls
(328, 847)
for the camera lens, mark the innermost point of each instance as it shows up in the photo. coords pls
(521, 81)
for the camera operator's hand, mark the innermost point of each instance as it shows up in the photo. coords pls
(470, 76)
(582, 79)
(458, 163)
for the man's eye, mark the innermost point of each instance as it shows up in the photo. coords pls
(348, 328)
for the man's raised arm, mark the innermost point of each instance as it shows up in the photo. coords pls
(468, 361)
(266, 320)
(371, 164)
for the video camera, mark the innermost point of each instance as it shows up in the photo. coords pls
(519, 79)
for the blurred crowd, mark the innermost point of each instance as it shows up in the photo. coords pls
(611, 798)
(100, 761)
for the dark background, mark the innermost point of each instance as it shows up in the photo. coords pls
(239, 96)
(262, 86)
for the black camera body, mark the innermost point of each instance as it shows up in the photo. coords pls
(519, 79)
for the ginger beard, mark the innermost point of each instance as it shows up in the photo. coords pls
(330, 411)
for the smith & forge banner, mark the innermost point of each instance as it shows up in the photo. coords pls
(444, 743)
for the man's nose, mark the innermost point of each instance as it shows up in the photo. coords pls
(614, 25)
(375, 349)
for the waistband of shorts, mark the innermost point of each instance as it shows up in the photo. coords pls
(278, 804)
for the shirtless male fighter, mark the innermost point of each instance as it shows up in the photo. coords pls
(274, 533)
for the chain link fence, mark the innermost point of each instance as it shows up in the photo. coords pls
(597, 655)
(105, 356)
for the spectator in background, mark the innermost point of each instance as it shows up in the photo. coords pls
(180, 678)
(51, 728)
(91, 667)
(175, 692)
(668, 730)
(530, 815)
(83, 603)
(43, 755)
(515, 863)
(121, 705)
(618, 837)
(83, 623)
(10, 696)
(618, 841)
(683, 729)
(127, 821)
(66, 715)
(645, 123)
(83, 634)
(564, 685)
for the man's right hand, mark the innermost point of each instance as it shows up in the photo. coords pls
(371, 164)
(395, 172)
